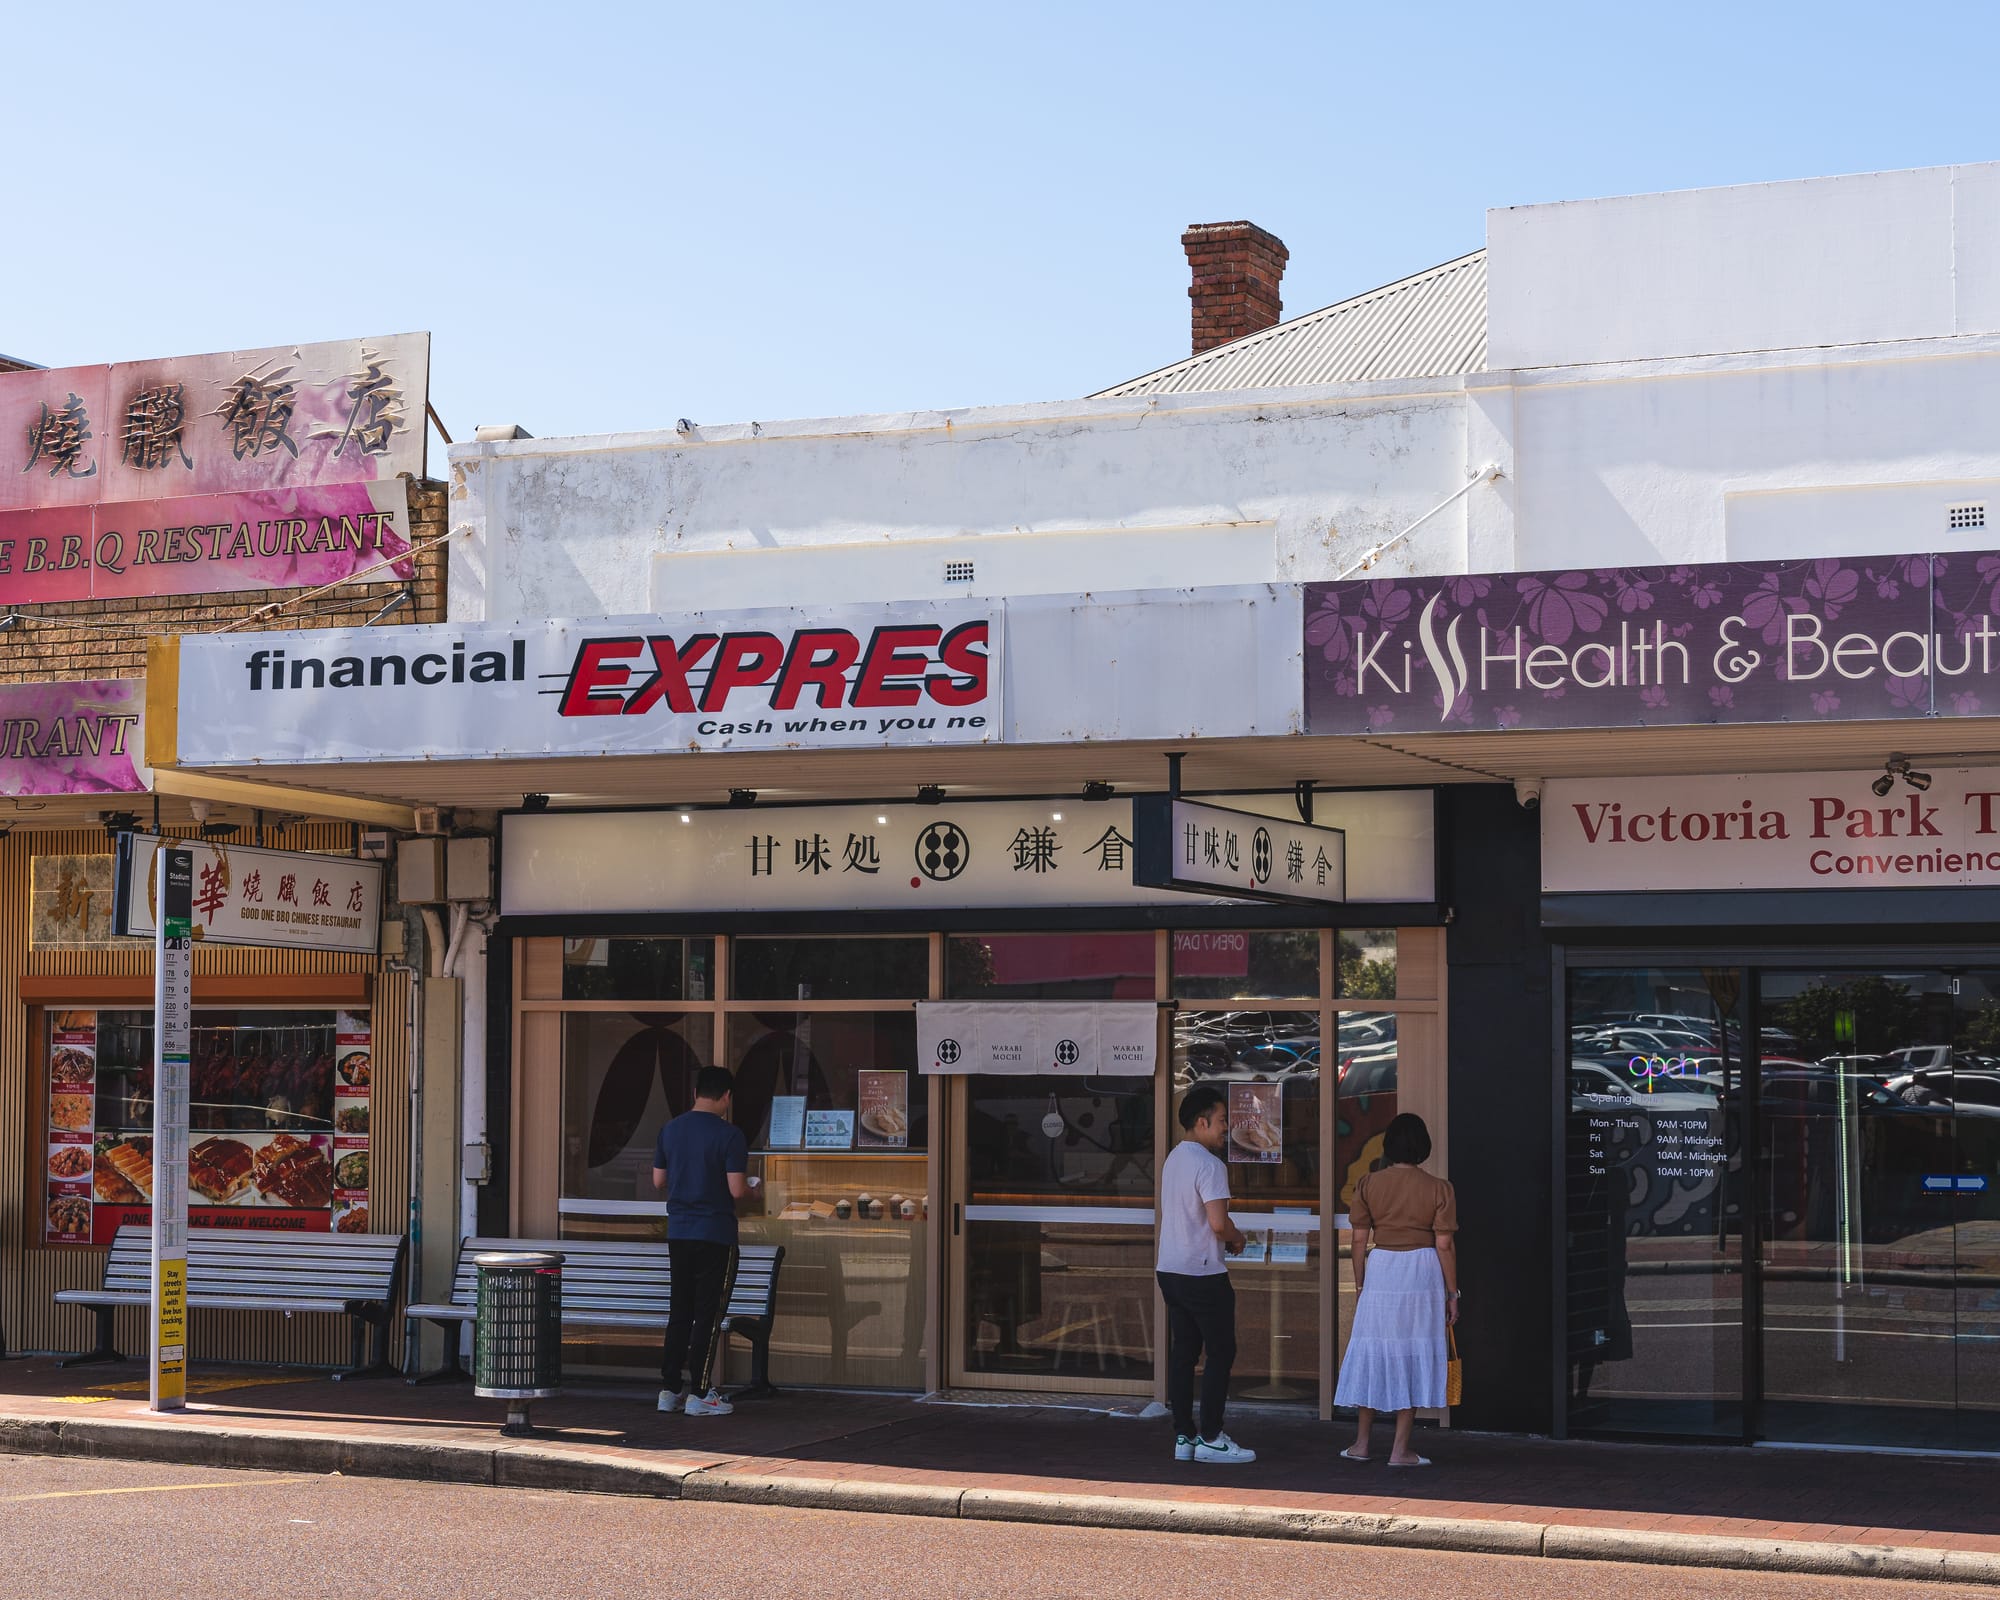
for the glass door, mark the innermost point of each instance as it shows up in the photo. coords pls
(1654, 1214)
(1052, 1219)
(1858, 1198)
(1975, 1099)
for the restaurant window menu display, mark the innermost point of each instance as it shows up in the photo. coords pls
(278, 1122)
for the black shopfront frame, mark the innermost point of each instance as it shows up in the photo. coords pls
(1757, 933)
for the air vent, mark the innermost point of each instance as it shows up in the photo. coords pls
(1965, 516)
(961, 571)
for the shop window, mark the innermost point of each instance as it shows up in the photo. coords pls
(830, 969)
(623, 1077)
(1050, 966)
(1367, 963)
(638, 969)
(1229, 965)
(838, 1123)
(1268, 1063)
(278, 1118)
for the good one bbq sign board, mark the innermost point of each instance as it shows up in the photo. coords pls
(1793, 830)
(827, 678)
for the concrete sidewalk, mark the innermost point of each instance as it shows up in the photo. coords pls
(1834, 1514)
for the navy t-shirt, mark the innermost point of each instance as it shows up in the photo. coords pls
(698, 1151)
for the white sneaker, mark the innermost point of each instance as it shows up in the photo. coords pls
(1183, 1447)
(673, 1399)
(708, 1405)
(1223, 1450)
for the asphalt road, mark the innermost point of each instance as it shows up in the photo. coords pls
(109, 1530)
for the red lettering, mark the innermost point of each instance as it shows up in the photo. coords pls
(1825, 812)
(743, 660)
(962, 653)
(819, 657)
(594, 669)
(1591, 826)
(671, 664)
(890, 655)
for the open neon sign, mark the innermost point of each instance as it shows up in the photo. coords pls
(1648, 1068)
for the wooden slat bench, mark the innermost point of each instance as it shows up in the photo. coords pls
(619, 1284)
(339, 1274)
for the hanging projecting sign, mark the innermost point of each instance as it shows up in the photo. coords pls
(1866, 637)
(1204, 849)
(255, 469)
(286, 898)
(1064, 1038)
(1772, 830)
(833, 677)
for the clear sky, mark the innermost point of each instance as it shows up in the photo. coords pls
(610, 216)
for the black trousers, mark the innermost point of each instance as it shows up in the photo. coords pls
(704, 1273)
(1201, 1315)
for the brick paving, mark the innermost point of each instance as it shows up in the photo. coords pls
(1837, 1497)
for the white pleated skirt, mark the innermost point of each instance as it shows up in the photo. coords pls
(1396, 1352)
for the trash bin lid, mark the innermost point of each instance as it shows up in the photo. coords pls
(518, 1258)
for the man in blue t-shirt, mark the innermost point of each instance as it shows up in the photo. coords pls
(700, 1164)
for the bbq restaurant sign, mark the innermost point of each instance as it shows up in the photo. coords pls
(284, 898)
(828, 678)
(1204, 849)
(1792, 830)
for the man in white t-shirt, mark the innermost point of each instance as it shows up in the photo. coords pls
(1195, 1235)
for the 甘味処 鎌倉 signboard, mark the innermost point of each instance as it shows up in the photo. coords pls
(1853, 638)
(261, 469)
(1205, 849)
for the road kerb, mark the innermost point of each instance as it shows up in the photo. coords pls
(531, 1466)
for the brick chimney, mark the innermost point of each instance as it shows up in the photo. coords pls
(1237, 268)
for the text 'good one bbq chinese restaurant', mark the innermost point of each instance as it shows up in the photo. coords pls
(1708, 1056)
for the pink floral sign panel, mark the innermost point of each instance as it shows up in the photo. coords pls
(81, 737)
(1870, 638)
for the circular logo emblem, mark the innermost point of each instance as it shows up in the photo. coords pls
(1067, 1053)
(942, 851)
(1052, 1125)
(1260, 856)
(947, 1051)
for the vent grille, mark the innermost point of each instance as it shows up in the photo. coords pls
(961, 571)
(1966, 516)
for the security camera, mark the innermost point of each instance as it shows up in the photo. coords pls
(198, 809)
(1529, 792)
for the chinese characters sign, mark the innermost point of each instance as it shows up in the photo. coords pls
(286, 898)
(1803, 641)
(250, 470)
(70, 903)
(80, 737)
(1096, 1039)
(1212, 850)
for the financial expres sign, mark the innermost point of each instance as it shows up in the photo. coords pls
(771, 679)
(1806, 641)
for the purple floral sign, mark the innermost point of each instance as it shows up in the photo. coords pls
(1871, 638)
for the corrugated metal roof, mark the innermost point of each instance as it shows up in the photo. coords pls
(1432, 325)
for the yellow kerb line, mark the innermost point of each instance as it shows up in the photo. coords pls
(152, 1488)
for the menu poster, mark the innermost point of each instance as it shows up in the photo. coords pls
(353, 1077)
(788, 1121)
(1290, 1248)
(72, 1119)
(1256, 1122)
(829, 1130)
(883, 1116)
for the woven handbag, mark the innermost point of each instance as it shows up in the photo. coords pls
(1454, 1370)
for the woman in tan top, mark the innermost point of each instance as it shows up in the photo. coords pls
(1406, 1276)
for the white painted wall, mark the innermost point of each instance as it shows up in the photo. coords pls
(1751, 373)
(1253, 491)
(1829, 261)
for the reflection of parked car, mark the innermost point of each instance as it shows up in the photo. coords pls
(1968, 1093)
(1374, 1073)
(1816, 1094)
(1277, 1057)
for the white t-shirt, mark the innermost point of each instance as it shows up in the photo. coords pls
(1193, 1176)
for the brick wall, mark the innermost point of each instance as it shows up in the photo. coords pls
(107, 638)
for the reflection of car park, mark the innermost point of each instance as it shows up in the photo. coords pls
(1968, 1093)
(1820, 1093)
(1277, 1057)
(1374, 1073)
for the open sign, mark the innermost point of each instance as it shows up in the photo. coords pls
(1648, 1067)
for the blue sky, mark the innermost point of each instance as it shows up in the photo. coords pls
(611, 216)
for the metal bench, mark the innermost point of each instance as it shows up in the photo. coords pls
(339, 1274)
(621, 1284)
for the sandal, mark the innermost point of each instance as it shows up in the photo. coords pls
(1349, 1455)
(1421, 1461)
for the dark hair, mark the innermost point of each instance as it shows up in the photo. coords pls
(712, 1083)
(1198, 1102)
(1407, 1142)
